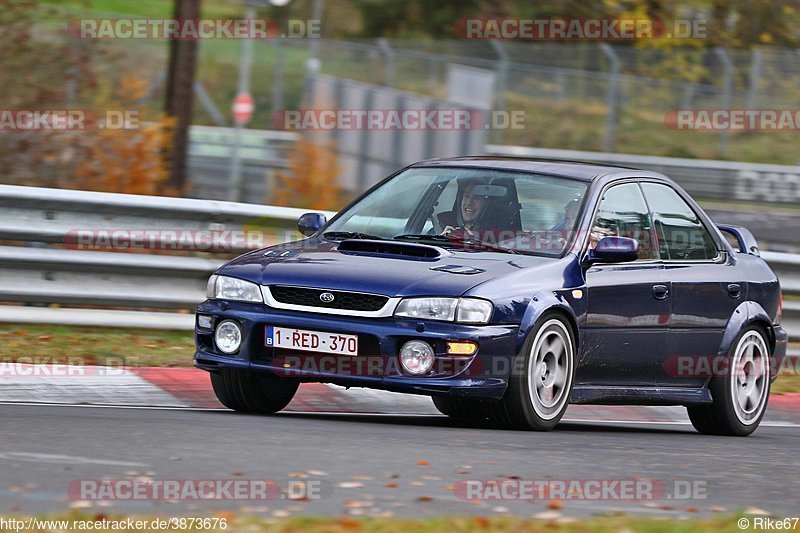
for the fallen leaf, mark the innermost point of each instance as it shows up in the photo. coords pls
(391, 485)
(423, 463)
(355, 504)
(424, 499)
(555, 505)
(481, 521)
(351, 485)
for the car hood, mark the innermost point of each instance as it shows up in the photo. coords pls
(321, 264)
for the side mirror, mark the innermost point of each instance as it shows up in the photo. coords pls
(744, 242)
(309, 223)
(614, 250)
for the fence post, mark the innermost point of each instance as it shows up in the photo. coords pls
(612, 96)
(389, 57)
(727, 92)
(277, 83)
(756, 60)
(235, 180)
(502, 84)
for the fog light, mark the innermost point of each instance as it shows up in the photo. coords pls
(416, 357)
(461, 348)
(205, 321)
(228, 336)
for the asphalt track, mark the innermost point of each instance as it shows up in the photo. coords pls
(385, 465)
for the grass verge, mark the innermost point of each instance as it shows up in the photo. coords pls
(52, 344)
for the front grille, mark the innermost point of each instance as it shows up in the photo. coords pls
(351, 301)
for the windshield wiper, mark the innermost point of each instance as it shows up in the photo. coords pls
(337, 235)
(467, 241)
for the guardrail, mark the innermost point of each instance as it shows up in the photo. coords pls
(137, 288)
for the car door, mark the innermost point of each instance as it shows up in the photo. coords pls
(706, 287)
(626, 332)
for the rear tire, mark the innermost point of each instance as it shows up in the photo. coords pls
(540, 384)
(741, 396)
(255, 392)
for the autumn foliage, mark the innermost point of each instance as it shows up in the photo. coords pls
(311, 180)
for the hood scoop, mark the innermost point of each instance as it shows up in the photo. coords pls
(403, 250)
(459, 269)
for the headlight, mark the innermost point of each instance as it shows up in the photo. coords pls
(225, 288)
(429, 308)
(464, 310)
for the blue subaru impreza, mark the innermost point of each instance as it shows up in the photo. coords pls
(506, 289)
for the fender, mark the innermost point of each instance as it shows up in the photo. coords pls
(745, 314)
(540, 303)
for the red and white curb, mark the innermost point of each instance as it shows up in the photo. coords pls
(191, 388)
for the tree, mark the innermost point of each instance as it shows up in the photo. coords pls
(180, 93)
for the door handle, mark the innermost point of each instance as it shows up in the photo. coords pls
(734, 290)
(660, 292)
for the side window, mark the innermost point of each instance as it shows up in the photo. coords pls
(623, 213)
(680, 232)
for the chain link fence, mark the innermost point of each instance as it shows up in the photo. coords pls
(579, 96)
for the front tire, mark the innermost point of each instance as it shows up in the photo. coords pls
(540, 384)
(740, 398)
(255, 392)
(457, 408)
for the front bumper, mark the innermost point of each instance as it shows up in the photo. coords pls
(482, 375)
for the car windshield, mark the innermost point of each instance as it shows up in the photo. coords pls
(513, 212)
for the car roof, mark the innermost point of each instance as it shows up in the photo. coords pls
(570, 169)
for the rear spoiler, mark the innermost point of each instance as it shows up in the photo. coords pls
(744, 240)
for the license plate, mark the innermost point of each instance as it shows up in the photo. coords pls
(311, 341)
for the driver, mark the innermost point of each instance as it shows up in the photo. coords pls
(469, 212)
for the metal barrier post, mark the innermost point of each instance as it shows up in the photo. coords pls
(612, 96)
(727, 93)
